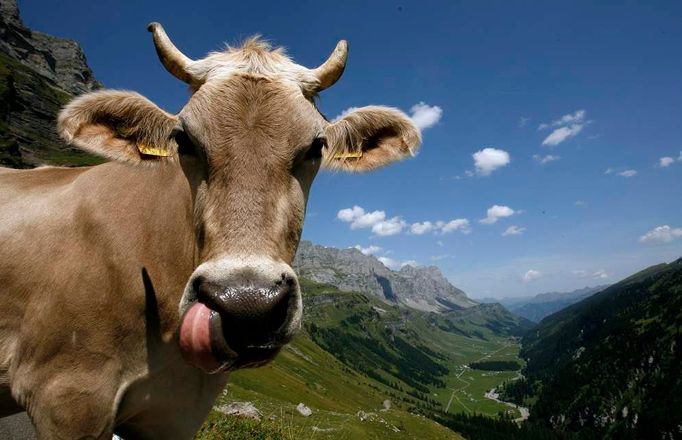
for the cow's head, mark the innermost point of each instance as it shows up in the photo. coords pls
(250, 142)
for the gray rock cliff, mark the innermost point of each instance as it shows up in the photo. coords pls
(422, 288)
(38, 75)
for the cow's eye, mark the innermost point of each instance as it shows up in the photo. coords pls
(185, 145)
(315, 149)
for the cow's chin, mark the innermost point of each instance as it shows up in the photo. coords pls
(203, 344)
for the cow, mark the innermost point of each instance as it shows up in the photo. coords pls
(130, 290)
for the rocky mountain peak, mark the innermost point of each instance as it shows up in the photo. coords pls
(39, 74)
(10, 12)
(419, 287)
(58, 59)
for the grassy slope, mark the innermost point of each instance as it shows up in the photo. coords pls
(364, 333)
(307, 374)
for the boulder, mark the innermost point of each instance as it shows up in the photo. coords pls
(304, 410)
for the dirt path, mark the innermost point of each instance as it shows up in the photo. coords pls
(525, 413)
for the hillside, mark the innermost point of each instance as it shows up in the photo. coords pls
(609, 366)
(537, 307)
(356, 351)
(421, 288)
(39, 73)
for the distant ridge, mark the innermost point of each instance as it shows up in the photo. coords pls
(536, 308)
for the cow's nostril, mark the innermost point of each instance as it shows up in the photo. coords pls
(197, 283)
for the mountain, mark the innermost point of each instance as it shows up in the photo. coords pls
(610, 366)
(39, 73)
(421, 288)
(537, 307)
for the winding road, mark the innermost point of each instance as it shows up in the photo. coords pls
(492, 395)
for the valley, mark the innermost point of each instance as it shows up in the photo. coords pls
(356, 352)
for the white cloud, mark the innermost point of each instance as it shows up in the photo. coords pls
(395, 265)
(679, 158)
(569, 125)
(425, 116)
(369, 250)
(513, 230)
(495, 213)
(441, 227)
(523, 121)
(359, 219)
(421, 228)
(571, 118)
(579, 203)
(546, 159)
(561, 134)
(624, 173)
(489, 159)
(349, 214)
(344, 113)
(628, 173)
(459, 224)
(381, 226)
(440, 243)
(600, 274)
(665, 161)
(389, 262)
(531, 275)
(391, 226)
(661, 234)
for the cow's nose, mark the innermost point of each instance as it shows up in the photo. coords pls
(252, 316)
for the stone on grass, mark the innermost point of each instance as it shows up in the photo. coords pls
(304, 410)
(241, 409)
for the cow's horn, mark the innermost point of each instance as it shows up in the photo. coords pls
(329, 72)
(173, 60)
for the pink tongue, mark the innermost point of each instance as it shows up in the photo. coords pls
(195, 338)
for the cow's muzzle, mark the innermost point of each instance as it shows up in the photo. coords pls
(234, 317)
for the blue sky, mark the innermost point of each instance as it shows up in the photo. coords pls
(592, 90)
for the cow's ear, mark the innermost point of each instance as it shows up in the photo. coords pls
(370, 137)
(119, 125)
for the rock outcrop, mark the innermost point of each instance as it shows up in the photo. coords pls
(58, 59)
(422, 288)
(39, 73)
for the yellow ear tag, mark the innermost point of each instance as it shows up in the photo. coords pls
(356, 155)
(152, 151)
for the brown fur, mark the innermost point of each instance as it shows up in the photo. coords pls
(94, 260)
